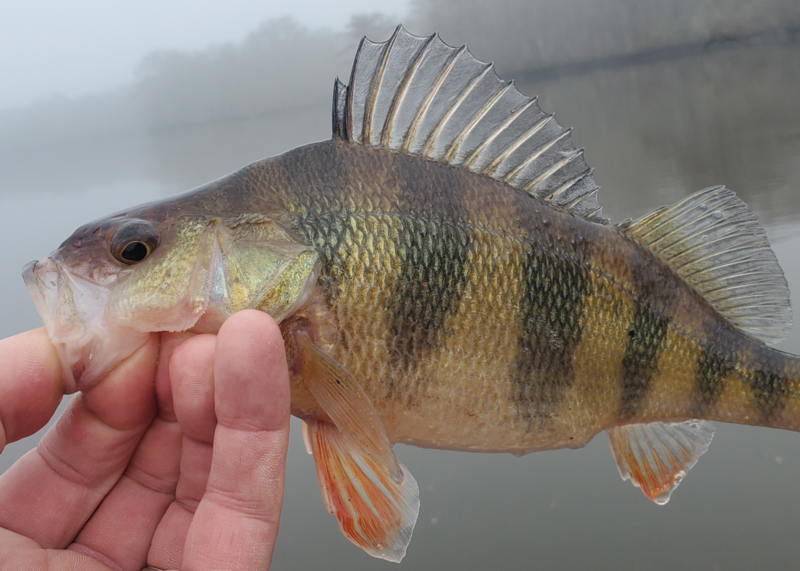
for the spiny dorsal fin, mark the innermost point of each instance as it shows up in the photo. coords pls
(714, 242)
(421, 97)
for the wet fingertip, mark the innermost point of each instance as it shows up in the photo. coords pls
(252, 384)
(31, 384)
(248, 318)
(2, 436)
(168, 343)
(49, 363)
(192, 361)
(255, 338)
(35, 358)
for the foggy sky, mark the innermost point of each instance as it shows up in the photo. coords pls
(51, 48)
(524, 35)
(192, 115)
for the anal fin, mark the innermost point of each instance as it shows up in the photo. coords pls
(656, 456)
(374, 511)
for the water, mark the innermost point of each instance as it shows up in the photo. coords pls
(655, 130)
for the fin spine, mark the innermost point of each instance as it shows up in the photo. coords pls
(401, 91)
(496, 132)
(478, 116)
(453, 108)
(350, 95)
(340, 109)
(376, 83)
(570, 183)
(557, 166)
(516, 144)
(419, 96)
(536, 154)
(431, 94)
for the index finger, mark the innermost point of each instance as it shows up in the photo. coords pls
(236, 523)
(31, 384)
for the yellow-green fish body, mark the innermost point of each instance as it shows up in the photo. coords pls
(443, 277)
(476, 318)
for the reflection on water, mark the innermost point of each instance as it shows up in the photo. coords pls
(653, 131)
(676, 126)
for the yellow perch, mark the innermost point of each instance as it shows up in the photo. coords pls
(443, 277)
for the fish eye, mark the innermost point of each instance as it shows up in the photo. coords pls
(134, 252)
(134, 241)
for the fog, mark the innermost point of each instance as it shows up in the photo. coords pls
(86, 46)
(191, 116)
(522, 36)
(666, 97)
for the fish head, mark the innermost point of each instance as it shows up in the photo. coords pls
(117, 280)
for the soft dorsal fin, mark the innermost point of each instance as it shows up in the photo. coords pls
(714, 242)
(421, 97)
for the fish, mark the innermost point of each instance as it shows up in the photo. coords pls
(443, 276)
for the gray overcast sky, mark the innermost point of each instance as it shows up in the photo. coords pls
(55, 47)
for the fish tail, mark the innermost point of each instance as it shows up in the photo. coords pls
(762, 390)
(715, 244)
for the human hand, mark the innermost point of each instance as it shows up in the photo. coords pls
(176, 462)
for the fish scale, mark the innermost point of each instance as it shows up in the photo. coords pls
(411, 327)
(554, 288)
(443, 276)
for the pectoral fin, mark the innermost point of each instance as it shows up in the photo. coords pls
(374, 510)
(373, 496)
(343, 399)
(656, 456)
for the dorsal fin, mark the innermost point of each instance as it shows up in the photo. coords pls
(421, 97)
(714, 242)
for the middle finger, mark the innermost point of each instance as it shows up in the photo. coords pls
(192, 379)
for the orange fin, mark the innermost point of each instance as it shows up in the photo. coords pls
(306, 436)
(374, 510)
(345, 402)
(656, 456)
(373, 496)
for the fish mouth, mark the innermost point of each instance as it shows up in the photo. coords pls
(73, 310)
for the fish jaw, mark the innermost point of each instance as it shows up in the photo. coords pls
(73, 310)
